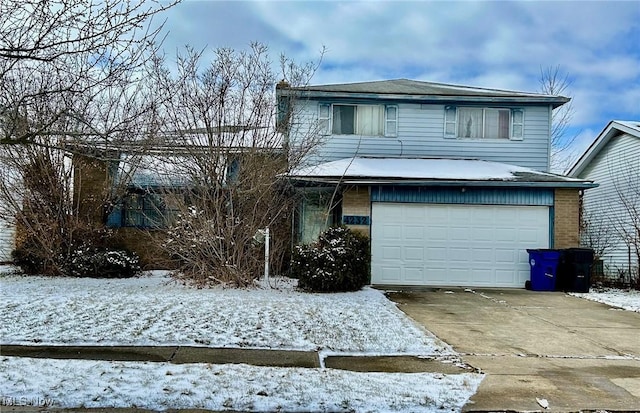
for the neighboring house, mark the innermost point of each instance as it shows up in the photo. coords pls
(613, 209)
(7, 229)
(450, 182)
(7, 234)
(149, 179)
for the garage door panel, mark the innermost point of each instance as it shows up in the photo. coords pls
(392, 253)
(508, 256)
(466, 245)
(414, 233)
(392, 231)
(485, 255)
(414, 274)
(390, 275)
(506, 276)
(414, 254)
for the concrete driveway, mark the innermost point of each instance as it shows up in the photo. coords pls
(576, 354)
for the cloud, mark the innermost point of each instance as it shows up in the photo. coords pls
(490, 44)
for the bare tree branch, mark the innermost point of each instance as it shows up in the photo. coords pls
(553, 81)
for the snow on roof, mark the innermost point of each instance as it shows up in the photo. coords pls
(423, 169)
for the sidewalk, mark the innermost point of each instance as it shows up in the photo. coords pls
(255, 357)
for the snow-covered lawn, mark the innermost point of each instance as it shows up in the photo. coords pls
(625, 299)
(158, 386)
(154, 309)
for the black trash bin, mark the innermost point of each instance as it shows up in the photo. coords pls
(574, 272)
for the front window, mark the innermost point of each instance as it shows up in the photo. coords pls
(140, 210)
(366, 120)
(483, 123)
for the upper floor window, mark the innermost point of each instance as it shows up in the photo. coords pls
(484, 123)
(368, 120)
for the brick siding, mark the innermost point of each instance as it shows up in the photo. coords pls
(566, 225)
(356, 201)
(91, 181)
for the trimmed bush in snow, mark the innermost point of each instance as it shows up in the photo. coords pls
(339, 260)
(83, 261)
(100, 262)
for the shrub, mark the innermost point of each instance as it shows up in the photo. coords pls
(84, 261)
(26, 258)
(338, 261)
(101, 262)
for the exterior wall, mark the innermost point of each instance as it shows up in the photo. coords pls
(421, 134)
(146, 244)
(616, 168)
(7, 228)
(356, 201)
(90, 181)
(566, 219)
(7, 240)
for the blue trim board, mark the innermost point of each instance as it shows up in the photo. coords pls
(463, 195)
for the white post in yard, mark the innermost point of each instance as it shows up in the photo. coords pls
(266, 254)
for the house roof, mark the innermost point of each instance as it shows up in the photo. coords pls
(430, 171)
(405, 89)
(613, 129)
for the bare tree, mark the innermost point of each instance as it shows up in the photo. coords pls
(627, 186)
(57, 55)
(553, 81)
(71, 83)
(596, 233)
(226, 135)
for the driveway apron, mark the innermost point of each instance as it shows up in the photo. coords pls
(575, 354)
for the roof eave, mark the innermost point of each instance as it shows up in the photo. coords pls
(555, 101)
(612, 129)
(444, 182)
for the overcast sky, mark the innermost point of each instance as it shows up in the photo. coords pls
(497, 44)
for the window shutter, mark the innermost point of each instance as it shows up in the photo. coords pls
(324, 118)
(517, 124)
(391, 120)
(450, 122)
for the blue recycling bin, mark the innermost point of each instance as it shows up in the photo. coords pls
(544, 268)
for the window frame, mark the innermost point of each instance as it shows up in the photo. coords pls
(451, 115)
(325, 118)
(140, 209)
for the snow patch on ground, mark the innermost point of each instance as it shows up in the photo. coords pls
(626, 299)
(159, 386)
(155, 309)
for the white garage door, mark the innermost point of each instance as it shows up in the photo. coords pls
(455, 245)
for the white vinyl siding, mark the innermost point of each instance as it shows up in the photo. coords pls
(420, 133)
(7, 233)
(615, 168)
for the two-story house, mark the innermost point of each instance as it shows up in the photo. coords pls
(451, 183)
